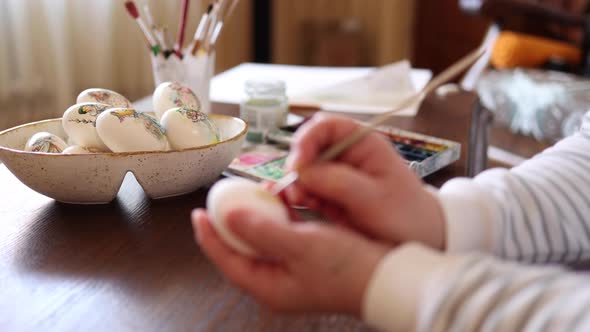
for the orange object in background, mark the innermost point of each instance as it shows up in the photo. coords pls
(520, 50)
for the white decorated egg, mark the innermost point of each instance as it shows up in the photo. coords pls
(187, 128)
(126, 130)
(103, 96)
(171, 95)
(45, 142)
(236, 193)
(76, 149)
(79, 122)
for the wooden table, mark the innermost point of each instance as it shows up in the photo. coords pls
(132, 265)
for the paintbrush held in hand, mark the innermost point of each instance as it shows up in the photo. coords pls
(336, 149)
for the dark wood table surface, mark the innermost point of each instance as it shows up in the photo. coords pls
(132, 265)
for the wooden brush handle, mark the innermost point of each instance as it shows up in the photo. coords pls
(445, 76)
(336, 149)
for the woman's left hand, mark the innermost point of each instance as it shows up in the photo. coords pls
(308, 266)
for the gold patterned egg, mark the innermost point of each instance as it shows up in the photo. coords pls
(188, 128)
(171, 95)
(79, 122)
(126, 130)
(103, 96)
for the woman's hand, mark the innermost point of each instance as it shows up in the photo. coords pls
(308, 267)
(368, 187)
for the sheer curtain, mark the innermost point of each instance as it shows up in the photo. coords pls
(50, 50)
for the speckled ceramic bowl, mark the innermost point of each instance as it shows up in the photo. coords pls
(96, 178)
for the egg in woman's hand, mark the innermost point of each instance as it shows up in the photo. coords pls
(77, 149)
(45, 142)
(103, 96)
(236, 193)
(79, 122)
(171, 95)
(126, 130)
(188, 128)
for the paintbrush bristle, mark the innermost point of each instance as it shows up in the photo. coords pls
(132, 9)
(209, 8)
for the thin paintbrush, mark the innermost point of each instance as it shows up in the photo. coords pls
(232, 7)
(214, 36)
(132, 10)
(201, 28)
(222, 9)
(153, 26)
(218, 25)
(223, 16)
(168, 50)
(213, 17)
(336, 149)
(181, 28)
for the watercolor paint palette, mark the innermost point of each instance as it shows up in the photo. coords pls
(260, 162)
(423, 154)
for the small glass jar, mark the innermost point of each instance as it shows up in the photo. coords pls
(265, 108)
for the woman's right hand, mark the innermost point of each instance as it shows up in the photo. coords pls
(368, 186)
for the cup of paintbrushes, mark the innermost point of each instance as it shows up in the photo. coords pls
(194, 72)
(193, 65)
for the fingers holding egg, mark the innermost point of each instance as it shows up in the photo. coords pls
(236, 193)
(126, 130)
(188, 128)
(103, 96)
(171, 95)
(45, 142)
(79, 122)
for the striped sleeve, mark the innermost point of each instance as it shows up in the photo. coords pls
(417, 289)
(537, 212)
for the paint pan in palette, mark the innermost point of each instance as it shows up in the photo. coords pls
(423, 154)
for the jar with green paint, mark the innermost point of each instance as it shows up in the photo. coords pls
(265, 107)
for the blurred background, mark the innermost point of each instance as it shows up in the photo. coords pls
(52, 49)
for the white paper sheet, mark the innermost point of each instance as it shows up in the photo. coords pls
(356, 90)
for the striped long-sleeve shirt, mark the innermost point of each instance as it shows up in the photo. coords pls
(507, 231)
